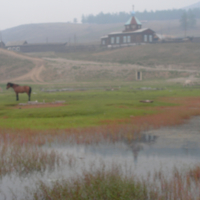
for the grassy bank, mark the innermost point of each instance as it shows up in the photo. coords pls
(86, 108)
(181, 54)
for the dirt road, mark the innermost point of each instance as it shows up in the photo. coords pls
(67, 69)
(34, 75)
(62, 70)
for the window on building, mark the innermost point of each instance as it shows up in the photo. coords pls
(112, 40)
(103, 42)
(150, 38)
(124, 39)
(133, 26)
(145, 38)
(117, 40)
(128, 39)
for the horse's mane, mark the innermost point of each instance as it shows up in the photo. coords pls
(12, 84)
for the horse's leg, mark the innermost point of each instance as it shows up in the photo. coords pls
(17, 97)
(29, 95)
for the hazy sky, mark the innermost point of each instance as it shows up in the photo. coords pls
(18, 12)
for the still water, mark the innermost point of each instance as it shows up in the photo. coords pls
(161, 149)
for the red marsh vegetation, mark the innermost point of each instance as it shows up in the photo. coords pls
(112, 130)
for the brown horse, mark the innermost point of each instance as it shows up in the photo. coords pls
(20, 89)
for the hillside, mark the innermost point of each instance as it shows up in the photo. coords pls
(59, 32)
(155, 60)
(85, 33)
(177, 54)
(193, 6)
(172, 27)
(19, 67)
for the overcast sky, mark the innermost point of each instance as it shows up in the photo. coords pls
(18, 12)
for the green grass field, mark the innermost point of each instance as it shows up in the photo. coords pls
(84, 108)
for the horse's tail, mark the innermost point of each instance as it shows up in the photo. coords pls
(30, 90)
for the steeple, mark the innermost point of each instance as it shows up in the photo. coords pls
(133, 23)
(133, 12)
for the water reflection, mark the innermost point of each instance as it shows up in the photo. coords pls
(136, 145)
(157, 149)
(150, 152)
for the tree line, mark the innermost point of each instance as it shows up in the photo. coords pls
(121, 17)
(188, 21)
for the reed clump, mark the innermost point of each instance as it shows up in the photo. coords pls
(113, 184)
(24, 160)
(182, 185)
(99, 185)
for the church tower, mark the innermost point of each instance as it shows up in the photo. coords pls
(133, 23)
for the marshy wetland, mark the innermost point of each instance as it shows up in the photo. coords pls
(101, 144)
(101, 141)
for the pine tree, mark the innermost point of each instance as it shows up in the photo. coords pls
(184, 22)
(191, 19)
(83, 20)
(188, 20)
(75, 20)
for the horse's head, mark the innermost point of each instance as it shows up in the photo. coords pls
(9, 85)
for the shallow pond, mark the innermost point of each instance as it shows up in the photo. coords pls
(161, 149)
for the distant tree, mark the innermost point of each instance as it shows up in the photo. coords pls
(191, 19)
(122, 17)
(184, 22)
(83, 20)
(188, 20)
(75, 20)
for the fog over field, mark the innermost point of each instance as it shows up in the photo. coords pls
(19, 12)
(86, 33)
(89, 117)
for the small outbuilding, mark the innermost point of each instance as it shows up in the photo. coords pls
(24, 46)
(2, 44)
(15, 46)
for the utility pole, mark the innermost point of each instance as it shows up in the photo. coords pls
(161, 30)
(1, 36)
(75, 39)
